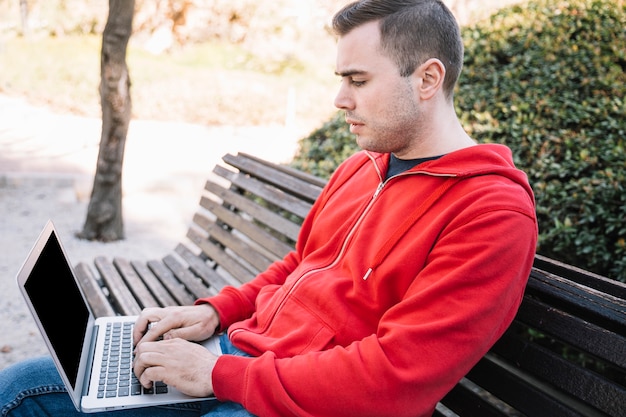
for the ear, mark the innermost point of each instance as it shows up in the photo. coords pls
(431, 74)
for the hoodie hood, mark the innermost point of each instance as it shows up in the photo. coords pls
(475, 161)
(482, 159)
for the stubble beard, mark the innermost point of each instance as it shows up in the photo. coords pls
(398, 130)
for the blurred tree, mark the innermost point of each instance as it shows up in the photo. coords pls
(104, 215)
(24, 17)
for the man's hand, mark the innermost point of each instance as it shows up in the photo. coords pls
(184, 365)
(194, 323)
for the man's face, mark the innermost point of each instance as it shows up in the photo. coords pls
(380, 105)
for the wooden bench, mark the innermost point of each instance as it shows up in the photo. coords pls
(565, 354)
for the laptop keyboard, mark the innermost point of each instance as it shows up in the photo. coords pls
(117, 378)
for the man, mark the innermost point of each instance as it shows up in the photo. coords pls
(411, 264)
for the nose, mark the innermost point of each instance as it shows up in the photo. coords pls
(343, 99)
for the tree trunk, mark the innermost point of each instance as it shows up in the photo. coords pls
(104, 215)
(24, 18)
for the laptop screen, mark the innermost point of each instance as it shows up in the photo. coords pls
(56, 297)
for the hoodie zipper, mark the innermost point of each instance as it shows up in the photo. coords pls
(344, 246)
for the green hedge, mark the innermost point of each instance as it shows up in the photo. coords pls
(547, 78)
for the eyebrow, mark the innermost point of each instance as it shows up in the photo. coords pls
(350, 73)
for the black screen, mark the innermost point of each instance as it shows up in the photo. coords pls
(59, 305)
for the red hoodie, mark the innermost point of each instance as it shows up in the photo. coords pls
(395, 290)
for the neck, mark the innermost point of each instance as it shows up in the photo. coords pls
(442, 133)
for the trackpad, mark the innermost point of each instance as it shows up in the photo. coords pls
(212, 344)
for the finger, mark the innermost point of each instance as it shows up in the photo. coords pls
(187, 333)
(151, 374)
(147, 316)
(195, 323)
(146, 357)
(141, 325)
(139, 329)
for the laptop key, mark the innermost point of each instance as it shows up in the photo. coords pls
(135, 389)
(160, 387)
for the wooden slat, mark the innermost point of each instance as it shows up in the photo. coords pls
(254, 210)
(589, 279)
(244, 250)
(192, 283)
(174, 287)
(516, 387)
(246, 227)
(134, 283)
(585, 336)
(272, 195)
(214, 280)
(465, 402)
(304, 176)
(119, 292)
(163, 297)
(443, 411)
(269, 173)
(97, 300)
(217, 254)
(592, 305)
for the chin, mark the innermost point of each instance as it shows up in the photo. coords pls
(363, 143)
(367, 145)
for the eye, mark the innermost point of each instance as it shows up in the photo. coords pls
(357, 83)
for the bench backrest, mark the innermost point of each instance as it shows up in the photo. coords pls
(248, 219)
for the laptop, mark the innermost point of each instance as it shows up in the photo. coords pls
(86, 350)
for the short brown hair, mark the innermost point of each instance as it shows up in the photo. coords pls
(411, 31)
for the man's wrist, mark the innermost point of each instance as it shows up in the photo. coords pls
(214, 317)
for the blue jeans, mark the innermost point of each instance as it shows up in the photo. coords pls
(34, 388)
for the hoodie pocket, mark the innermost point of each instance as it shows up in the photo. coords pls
(294, 329)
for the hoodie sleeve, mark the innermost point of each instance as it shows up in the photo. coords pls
(237, 304)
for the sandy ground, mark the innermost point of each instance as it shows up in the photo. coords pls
(47, 163)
